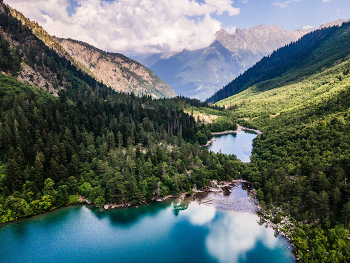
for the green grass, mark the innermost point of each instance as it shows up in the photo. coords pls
(260, 102)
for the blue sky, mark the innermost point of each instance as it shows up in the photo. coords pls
(295, 15)
(149, 26)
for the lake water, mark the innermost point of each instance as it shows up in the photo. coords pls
(240, 144)
(171, 231)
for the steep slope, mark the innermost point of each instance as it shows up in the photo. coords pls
(251, 44)
(116, 70)
(135, 78)
(200, 73)
(301, 163)
(338, 22)
(314, 52)
(49, 41)
(34, 62)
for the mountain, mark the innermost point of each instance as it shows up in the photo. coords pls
(199, 73)
(299, 97)
(314, 52)
(252, 44)
(149, 59)
(301, 163)
(116, 70)
(77, 136)
(338, 22)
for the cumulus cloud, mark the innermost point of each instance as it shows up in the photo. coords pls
(308, 27)
(281, 4)
(129, 25)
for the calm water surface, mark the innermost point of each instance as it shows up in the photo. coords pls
(173, 231)
(240, 144)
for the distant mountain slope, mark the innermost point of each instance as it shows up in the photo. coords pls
(338, 22)
(252, 44)
(314, 52)
(303, 156)
(149, 59)
(116, 70)
(48, 70)
(198, 73)
(201, 72)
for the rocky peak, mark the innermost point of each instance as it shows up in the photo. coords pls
(261, 39)
(338, 22)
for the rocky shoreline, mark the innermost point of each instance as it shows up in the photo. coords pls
(239, 129)
(285, 227)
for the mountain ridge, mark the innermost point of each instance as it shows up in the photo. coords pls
(137, 78)
(307, 53)
(116, 70)
(207, 74)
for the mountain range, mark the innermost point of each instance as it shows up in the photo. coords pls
(200, 73)
(116, 70)
(296, 60)
(112, 69)
(66, 137)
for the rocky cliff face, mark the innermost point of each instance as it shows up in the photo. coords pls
(117, 71)
(200, 73)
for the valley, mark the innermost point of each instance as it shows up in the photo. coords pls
(200, 73)
(78, 123)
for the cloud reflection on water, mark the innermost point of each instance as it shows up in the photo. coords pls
(233, 234)
(199, 214)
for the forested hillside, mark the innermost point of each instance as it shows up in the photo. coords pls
(313, 53)
(85, 138)
(301, 163)
(44, 61)
(75, 136)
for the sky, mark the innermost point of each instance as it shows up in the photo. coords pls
(150, 26)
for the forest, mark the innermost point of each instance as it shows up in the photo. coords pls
(115, 148)
(313, 53)
(86, 139)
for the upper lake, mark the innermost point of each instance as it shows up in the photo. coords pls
(240, 144)
(171, 231)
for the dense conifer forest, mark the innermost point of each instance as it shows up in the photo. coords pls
(109, 147)
(85, 139)
(301, 163)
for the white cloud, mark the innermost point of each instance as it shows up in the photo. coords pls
(308, 27)
(281, 4)
(244, 1)
(131, 25)
(231, 29)
(284, 4)
(326, 1)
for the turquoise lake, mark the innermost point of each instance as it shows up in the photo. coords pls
(170, 231)
(240, 144)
